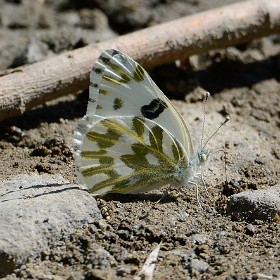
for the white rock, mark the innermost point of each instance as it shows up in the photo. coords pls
(35, 210)
(255, 204)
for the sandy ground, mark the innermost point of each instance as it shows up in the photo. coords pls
(244, 83)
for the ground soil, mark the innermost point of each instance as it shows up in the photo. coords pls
(244, 83)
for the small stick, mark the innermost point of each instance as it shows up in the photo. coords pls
(25, 87)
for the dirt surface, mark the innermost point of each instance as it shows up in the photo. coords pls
(196, 243)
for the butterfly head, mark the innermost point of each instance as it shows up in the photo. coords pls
(202, 155)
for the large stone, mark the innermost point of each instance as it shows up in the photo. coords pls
(35, 210)
(258, 204)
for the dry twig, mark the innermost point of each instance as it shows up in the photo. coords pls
(25, 87)
(148, 268)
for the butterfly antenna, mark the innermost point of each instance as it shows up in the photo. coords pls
(225, 121)
(225, 158)
(203, 124)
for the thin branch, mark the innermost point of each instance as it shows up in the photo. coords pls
(25, 87)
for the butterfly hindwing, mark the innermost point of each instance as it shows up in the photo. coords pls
(130, 155)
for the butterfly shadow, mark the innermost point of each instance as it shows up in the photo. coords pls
(152, 197)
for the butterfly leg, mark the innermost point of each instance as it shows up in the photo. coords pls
(196, 191)
(200, 177)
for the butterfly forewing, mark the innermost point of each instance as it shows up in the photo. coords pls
(121, 87)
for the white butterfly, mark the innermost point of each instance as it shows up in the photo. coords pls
(132, 139)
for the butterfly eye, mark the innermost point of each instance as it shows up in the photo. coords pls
(203, 157)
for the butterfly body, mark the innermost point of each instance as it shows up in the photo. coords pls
(132, 138)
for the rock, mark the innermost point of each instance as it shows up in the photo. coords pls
(250, 230)
(191, 261)
(200, 238)
(35, 210)
(198, 265)
(259, 204)
(183, 216)
(100, 274)
(100, 258)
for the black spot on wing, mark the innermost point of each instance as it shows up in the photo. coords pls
(103, 91)
(97, 70)
(114, 52)
(154, 109)
(91, 100)
(118, 103)
(105, 60)
(93, 85)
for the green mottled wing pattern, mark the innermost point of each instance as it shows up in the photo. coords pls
(132, 139)
(130, 155)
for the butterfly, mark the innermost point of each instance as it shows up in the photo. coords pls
(132, 138)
